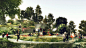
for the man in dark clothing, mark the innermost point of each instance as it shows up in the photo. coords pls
(18, 35)
(3, 35)
(34, 30)
(66, 36)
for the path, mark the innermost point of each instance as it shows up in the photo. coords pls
(29, 42)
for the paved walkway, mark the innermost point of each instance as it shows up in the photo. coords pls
(29, 42)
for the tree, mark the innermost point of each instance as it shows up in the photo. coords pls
(38, 10)
(62, 28)
(22, 14)
(45, 20)
(10, 21)
(9, 7)
(61, 20)
(34, 17)
(40, 18)
(72, 26)
(82, 27)
(50, 19)
(29, 12)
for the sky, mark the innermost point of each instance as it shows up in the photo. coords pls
(74, 10)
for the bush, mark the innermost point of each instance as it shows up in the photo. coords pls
(10, 21)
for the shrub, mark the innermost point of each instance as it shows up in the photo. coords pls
(10, 21)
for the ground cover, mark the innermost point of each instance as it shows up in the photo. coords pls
(7, 44)
(39, 39)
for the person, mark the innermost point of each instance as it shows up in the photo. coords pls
(57, 34)
(48, 32)
(7, 36)
(3, 35)
(80, 36)
(38, 31)
(31, 34)
(34, 30)
(64, 37)
(18, 35)
(72, 36)
(23, 30)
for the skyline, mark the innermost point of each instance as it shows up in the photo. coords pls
(74, 10)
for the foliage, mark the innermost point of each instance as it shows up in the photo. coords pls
(50, 20)
(29, 13)
(82, 27)
(40, 18)
(62, 28)
(7, 44)
(45, 20)
(22, 14)
(9, 7)
(72, 26)
(38, 10)
(10, 21)
(31, 23)
(61, 20)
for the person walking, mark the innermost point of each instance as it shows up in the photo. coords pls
(33, 30)
(18, 35)
(3, 35)
(7, 36)
(64, 37)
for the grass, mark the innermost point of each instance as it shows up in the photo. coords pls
(39, 39)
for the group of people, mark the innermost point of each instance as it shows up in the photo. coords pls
(4, 35)
(18, 35)
(66, 37)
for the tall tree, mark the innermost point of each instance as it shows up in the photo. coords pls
(50, 20)
(72, 26)
(29, 12)
(9, 7)
(22, 14)
(34, 17)
(38, 10)
(82, 27)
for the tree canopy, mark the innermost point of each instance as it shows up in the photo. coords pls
(38, 10)
(62, 28)
(72, 26)
(61, 20)
(9, 7)
(82, 27)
